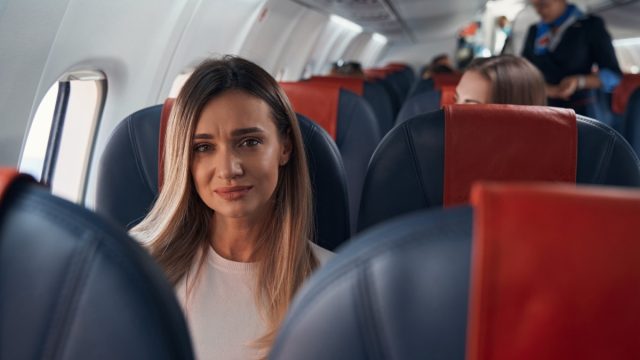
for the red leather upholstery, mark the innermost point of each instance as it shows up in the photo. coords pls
(540, 145)
(440, 80)
(7, 177)
(376, 73)
(352, 84)
(164, 120)
(447, 95)
(317, 101)
(623, 91)
(554, 273)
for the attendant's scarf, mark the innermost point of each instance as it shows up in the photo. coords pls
(548, 41)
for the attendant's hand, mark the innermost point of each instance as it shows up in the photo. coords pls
(567, 87)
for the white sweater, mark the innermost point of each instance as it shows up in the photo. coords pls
(221, 310)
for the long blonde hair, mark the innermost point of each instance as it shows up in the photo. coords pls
(178, 226)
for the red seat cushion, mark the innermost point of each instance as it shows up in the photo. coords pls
(317, 101)
(447, 95)
(506, 142)
(555, 273)
(622, 93)
(349, 83)
(8, 176)
(440, 80)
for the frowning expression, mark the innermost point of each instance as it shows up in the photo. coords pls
(237, 155)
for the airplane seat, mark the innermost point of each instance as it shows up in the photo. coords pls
(632, 121)
(426, 102)
(129, 176)
(356, 128)
(434, 284)
(422, 85)
(432, 159)
(75, 287)
(375, 94)
(435, 81)
(393, 88)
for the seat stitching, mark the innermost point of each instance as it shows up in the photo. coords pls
(414, 160)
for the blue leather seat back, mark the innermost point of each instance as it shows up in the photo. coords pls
(381, 104)
(422, 85)
(128, 175)
(418, 104)
(632, 121)
(398, 291)
(357, 137)
(406, 171)
(75, 287)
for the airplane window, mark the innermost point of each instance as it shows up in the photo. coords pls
(178, 83)
(61, 138)
(627, 53)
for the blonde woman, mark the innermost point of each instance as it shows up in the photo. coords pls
(232, 226)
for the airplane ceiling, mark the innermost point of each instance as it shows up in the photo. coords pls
(416, 21)
(403, 20)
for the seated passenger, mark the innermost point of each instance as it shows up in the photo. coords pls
(232, 224)
(440, 64)
(502, 79)
(347, 68)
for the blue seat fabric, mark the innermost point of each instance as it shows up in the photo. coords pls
(407, 169)
(75, 287)
(397, 291)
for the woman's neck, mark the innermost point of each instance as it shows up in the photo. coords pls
(235, 238)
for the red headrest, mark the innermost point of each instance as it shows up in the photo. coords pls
(9, 176)
(622, 93)
(350, 83)
(318, 101)
(447, 95)
(164, 120)
(554, 273)
(506, 142)
(376, 73)
(440, 80)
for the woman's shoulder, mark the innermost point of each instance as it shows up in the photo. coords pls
(323, 255)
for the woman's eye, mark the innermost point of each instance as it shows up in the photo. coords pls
(201, 147)
(250, 142)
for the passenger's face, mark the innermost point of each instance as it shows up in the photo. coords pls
(549, 10)
(473, 88)
(237, 154)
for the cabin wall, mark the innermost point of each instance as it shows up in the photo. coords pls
(142, 46)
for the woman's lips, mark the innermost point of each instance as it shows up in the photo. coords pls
(232, 192)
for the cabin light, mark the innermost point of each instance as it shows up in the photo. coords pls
(627, 42)
(379, 38)
(346, 23)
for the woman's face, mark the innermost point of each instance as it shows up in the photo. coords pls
(237, 154)
(473, 88)
(549, 10)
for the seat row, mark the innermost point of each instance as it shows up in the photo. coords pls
(428, 161)
(528, 271)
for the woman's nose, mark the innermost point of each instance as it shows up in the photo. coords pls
(229, 165)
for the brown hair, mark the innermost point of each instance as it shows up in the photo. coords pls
(177, 228)
(514, 80)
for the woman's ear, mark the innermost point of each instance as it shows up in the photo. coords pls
(287, 147)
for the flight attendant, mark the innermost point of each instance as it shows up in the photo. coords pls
(565, 45)
(232, 225)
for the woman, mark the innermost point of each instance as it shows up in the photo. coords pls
(232, 225)
(565, 45)
(504, 79)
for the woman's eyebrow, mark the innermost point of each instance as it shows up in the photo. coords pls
(202, 136)
(245, 131)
